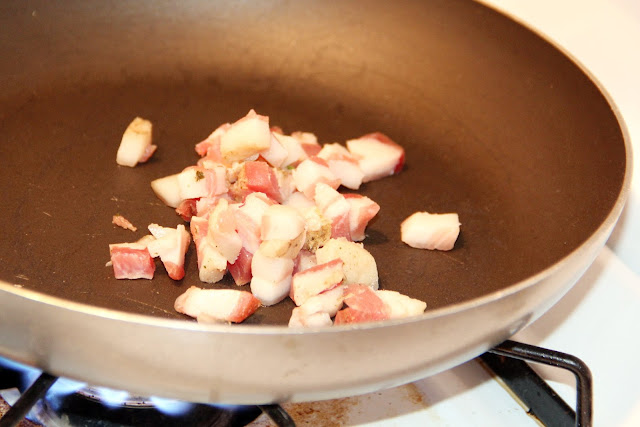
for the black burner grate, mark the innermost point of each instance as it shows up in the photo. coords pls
(507, 360)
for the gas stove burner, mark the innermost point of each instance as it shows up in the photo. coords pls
(88, 407)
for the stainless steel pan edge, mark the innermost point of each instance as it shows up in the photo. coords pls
(245, 364)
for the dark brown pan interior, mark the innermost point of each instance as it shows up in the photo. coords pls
(497, 125)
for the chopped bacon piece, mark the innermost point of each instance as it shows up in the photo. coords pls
(311, 172)
(282, 232)
(261, 178)
(168, 190)
(295, 152)
(135, 145)
(221, 305)
(362, 210)
(186, 209)
(196, 182)
(315, 280)
(401, 305)
(171, 246)
(222, 230)
(123, 222)
(276, 154)
(334, 207)
(359, 265)
(308, 142)
(241, 269)
(245, 138)
(210, 147)
(271, 279)
(343, 165)
(364, 305)
(378, 156)
(423, 230)
(318, 310)
(131, 261)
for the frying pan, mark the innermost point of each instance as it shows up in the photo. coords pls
(498, 125)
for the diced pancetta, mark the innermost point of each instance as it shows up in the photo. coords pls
(423, 230)
(276, 154)
(131, 261)
(378, 156)
(400, 305)
(316, 280)
(295, 152)
(362, 210)
(210, 147)
(123, 222)
(318, 310)
(196, 182)
(312, 171)
(168, 190)
(245, 138)
(359, 266)
(171, 246)
(135, 146)
(241, 269)
(262, 178)
(282, 232)
(222, 305)
(343, 165)
(364, 305)
(335, 208)
(222, 230)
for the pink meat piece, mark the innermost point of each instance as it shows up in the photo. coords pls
(187, 208)
(210, 147)
(121, 221)
(364, 305)
(362, 210)
(131, 261)
(261, 178)
(241, 269)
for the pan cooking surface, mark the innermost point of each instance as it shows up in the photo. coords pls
(497, 126)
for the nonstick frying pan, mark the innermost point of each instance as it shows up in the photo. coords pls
(498, 125)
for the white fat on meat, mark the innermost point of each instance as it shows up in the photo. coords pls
(276, 154)
(335, 208)
(246, 138)
(167, 189)
(171, 246)
(316, 280)
(269, 292)
(400, 305)
(196, 182)
(295, 152)
(378, 156)
(318, 310)
(362, 210)
(282, 231)
(359, 266)
(135, 146)
(222, 231)
(312, 171)
(216, 305)
(343, 165)
(423, 230)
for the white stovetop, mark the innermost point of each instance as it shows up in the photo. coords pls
(599, 318)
